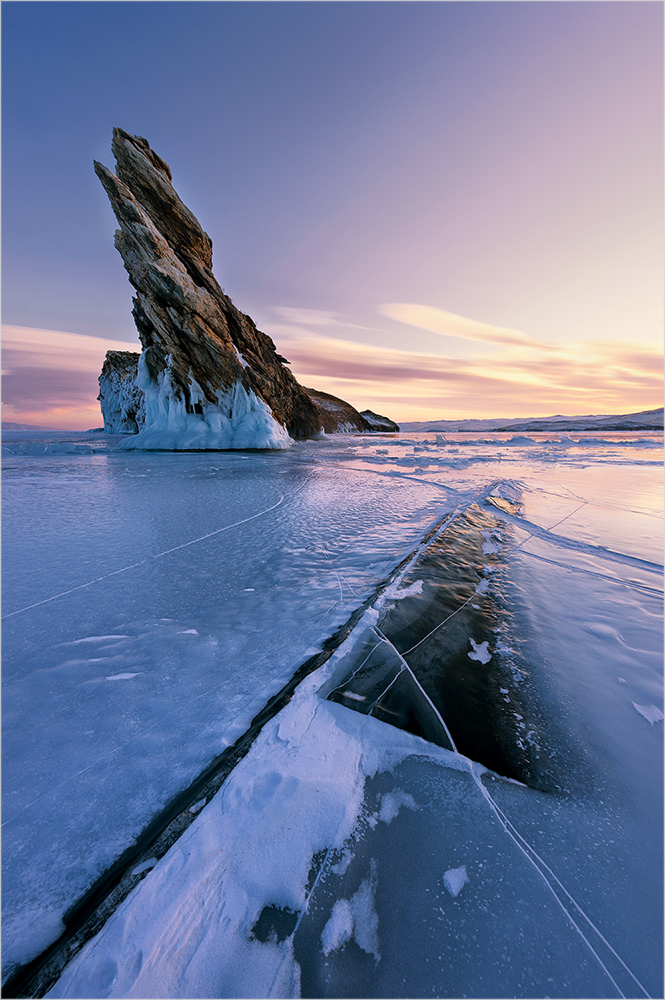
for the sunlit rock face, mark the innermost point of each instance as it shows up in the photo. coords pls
(206, 378)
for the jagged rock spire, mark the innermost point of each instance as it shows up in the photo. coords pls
(205, 369)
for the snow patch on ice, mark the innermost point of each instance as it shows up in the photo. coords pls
(354, 696)
(650, 712)
(342, 865)
(480, 651)
(394, 593)
(391, 803)
(120, 677)
(491, 544)
(455, 879)
(365, 917)
(355, 917)
(189, 631)
(339, 928)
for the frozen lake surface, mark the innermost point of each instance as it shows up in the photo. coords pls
(153, 604)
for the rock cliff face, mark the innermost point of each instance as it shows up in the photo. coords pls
(207, 378)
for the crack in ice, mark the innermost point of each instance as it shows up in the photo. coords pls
(147, 559)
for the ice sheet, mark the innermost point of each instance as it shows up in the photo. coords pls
(153, 604)
(191, 573)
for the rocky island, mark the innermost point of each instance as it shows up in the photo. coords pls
(207, 378)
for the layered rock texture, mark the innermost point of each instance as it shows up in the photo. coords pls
(207, 378)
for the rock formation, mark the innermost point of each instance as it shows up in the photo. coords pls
(378, 423)
(209, 378)
(335, 415)
(122, 402)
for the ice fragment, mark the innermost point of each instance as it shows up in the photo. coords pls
(650, 712)
(480, 651)
(144, 866)
(455, 879)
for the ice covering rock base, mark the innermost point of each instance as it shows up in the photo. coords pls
(210, 378)
(242, 420)
(122, 402)
(239, 420)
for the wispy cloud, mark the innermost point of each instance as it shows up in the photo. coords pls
(451, 325)
(592, 377)
(296, 319)
(57, 349)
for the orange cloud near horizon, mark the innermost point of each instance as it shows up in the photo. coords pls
(50, 378)
(594, 377)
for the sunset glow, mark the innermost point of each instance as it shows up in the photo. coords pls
(440, 210)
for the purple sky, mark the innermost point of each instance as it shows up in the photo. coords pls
(435, 209)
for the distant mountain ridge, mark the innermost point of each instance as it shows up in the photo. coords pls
(646, 420)
(7, 425)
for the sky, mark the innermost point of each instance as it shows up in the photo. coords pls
(436, 210)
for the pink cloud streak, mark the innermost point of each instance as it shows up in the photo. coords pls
(593, 377)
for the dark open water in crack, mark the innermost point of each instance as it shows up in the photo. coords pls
(454, 664)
